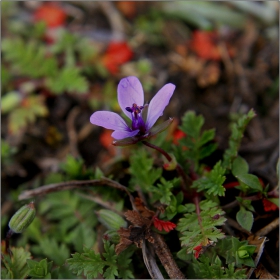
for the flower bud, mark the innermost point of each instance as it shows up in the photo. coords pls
(242, 254)
(22, 218)
(110, 219)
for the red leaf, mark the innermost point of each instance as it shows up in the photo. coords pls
(166, 225)
(116, 54)
(198, 250)
(52, 14)
(268, 205)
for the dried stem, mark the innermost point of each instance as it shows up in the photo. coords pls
(75, 185)
(166, 258)
(268, 228)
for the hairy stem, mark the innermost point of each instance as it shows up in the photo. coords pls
(186, 180)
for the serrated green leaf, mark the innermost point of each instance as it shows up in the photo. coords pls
(213, 181)
(142, 170)
(15, 267)
(206, 136)
(245, 218)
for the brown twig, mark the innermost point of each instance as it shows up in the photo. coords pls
(166, 258)
(75, 185)
(268, 228)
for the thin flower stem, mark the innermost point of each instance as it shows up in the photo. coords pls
(186, 180)
(8, 237)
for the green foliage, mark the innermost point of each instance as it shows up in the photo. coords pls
(163, 190)
(240, 171)
(68, 79)
(71, 218)
(237, 129)
(15, 267)
(213, 181)
(22, 116)
(204, 268)
(7, 152)
(10, 101)
(198, 229)
(28, 58)
(196, 142)
(235, 251)
(50, 248)
(72, 167)
(40, 270)
(34, 60)
(142, 171)
(245, 218)
(109, 265)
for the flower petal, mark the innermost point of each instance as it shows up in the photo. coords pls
(130, 91)
(158, 104)
(109, 120)
(121, 134)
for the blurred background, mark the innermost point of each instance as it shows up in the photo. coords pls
(61, 61)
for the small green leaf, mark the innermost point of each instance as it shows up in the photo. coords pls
(250, 180)
(10, 101)
(245, 219)
(239, 166)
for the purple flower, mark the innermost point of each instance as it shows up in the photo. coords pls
(143, 117)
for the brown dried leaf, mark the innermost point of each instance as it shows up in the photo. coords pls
(145, 212)
(135, 218)
(124, 243)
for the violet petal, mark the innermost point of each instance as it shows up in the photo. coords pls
(121, 134)
(158, 104)
(109, 120)
(130, 91)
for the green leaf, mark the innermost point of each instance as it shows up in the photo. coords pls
(198, 230)
(54, 251)
(20, 117)
(88, 263)
(39, 270)
(10, 101)
(196, 142)
(142, 170)
(250, 180)
(91, 264)
(192, 124)
(245, 218)
(239, 166)
(237, 130)
(15, 267)
(69, 80)
(72, 167)
(213, 181)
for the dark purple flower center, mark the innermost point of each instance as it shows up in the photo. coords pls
(137, 121)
